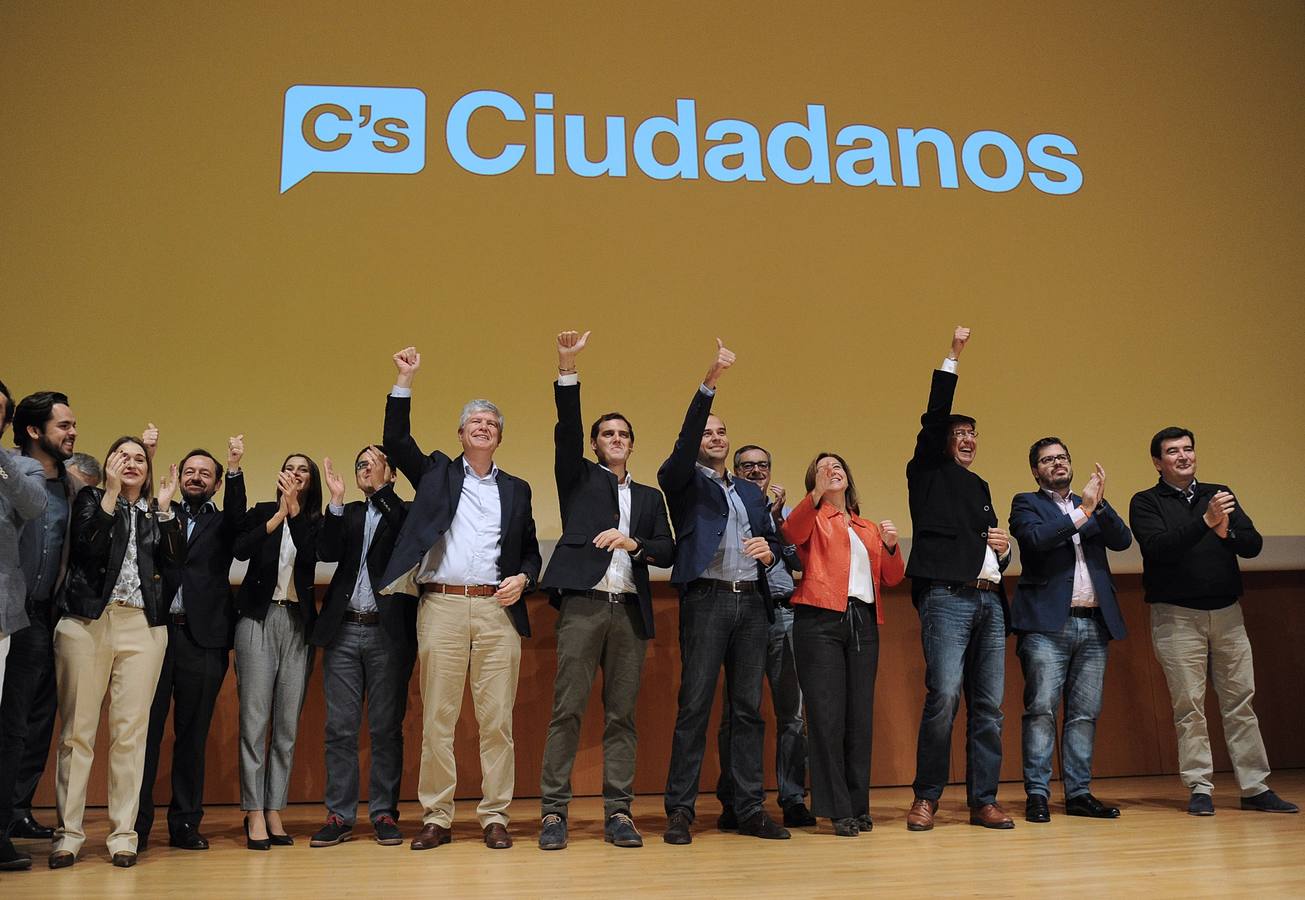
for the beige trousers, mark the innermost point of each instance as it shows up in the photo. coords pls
(121, 655)
(1189, 643)
(457, 635)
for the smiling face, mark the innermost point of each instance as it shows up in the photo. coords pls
(614, 443)
(300, 469)
(60, 433)
(1177, 461)
(198, 478)
(1054, 471)
(963, 443)
(480, 432)
(754, 465)
(372, 477)
(715, 446)
(832, 469)
(135, 470)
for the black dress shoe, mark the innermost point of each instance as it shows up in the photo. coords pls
(29, 829)
(727, 821)
(678, 826)
(10, 859)
(797, 815)
(1035, 809)
(763, 826)
(186, 837)
(1087, 805)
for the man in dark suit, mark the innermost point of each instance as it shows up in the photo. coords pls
(725, 539)
(370, 644)
(1065, 615)
(200, 623)
(613, 529)
(957, 556)
(468, 547)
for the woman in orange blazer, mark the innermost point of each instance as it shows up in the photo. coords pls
(846, 560)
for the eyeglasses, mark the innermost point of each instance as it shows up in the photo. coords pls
(959, 433)
(1054, 460)
(763, 466)
(361, 464)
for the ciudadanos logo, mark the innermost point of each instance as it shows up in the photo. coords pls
(383, 129)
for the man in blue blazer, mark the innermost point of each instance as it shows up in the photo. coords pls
(1065, 615)
(725, 539)
(468, 549)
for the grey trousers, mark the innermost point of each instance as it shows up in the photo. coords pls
(361, 661)
(272, 665)
(592, 633)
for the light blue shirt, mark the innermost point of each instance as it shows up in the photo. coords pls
(730, 563)
(362, 599)
(177, 608)
(468, 552)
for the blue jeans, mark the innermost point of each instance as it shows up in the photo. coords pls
(1070, 664)
(790, 735)
(719, 627)
(963, 632)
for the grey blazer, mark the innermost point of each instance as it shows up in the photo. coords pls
(22, 498)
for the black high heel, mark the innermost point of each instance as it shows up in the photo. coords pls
(280, 840)
(251, 844)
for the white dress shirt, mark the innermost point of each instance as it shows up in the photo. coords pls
(468, 552)
(1083, 594)
(860, 584)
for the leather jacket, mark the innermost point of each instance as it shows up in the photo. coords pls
(99, 545)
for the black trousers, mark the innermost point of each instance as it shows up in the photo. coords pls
(26, 716)
(837, 656)
(190, 682)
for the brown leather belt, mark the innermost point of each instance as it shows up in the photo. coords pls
(459, 590)
(362, 618)
(983, 584)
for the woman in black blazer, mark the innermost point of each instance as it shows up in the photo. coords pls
(111, 639)
(276, 613)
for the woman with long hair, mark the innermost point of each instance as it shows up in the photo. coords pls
(111, 639)
(276, 612)
(837, 611)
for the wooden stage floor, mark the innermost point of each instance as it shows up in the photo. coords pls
(1154, 849)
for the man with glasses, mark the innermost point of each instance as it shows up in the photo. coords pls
(957, 556)
(1065, 615)
(753, 463)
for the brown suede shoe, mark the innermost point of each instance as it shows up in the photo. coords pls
(920, 815)
(430, 836)
(497, 837)
(991, 815)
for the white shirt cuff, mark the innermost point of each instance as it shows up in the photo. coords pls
(568, 380)
(397, 391)
(948, 365)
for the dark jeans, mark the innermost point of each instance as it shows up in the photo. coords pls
(190, 681)
(790, 730)
(719, 627)
(591, 633)
(26, 717)
(1070, 664)
(963, 631)
(837, 660)
(362, 661)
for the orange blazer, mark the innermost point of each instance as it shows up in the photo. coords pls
(820, 537)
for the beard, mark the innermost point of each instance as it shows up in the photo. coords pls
(54, 450)
(1058, 482)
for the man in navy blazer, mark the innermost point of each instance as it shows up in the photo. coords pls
(1065, 615)
(468, 548)
(725, 539)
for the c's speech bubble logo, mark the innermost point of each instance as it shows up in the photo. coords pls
(351, 129)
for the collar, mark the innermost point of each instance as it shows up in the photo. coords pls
(711, 473)
(1055, 495)
(621, 482)
(468, 471)
(208, 506)
(140, 504)
(1191, 489)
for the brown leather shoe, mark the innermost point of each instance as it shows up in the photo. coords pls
(430, 836)
(991, 815)
(497, 837)
(920, 815)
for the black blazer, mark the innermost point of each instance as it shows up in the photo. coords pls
(98, 547)
(263, 551)
(437, 481)
(205, 578)
(588, 496)
(951, 507)
(698, 505)
(1047, 560)
(341, 541)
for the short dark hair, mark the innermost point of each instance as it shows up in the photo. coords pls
(607, 417)
(146, 489)
(745, 448)
(1036, 450)
(378, 447)
(9, 403)
(1173, 432)
(34, 411)
(853, 500)
(200, 451)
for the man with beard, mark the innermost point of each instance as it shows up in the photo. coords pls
(613, 529)
(1065, 615)
(725, 539)
(45, 430)
(753, 463)
(22, 498)
(200, 623)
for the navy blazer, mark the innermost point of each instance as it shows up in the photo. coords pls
(588, 496)
(437, 481)
(1045, 535)
(699, 507)
(205, 579)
